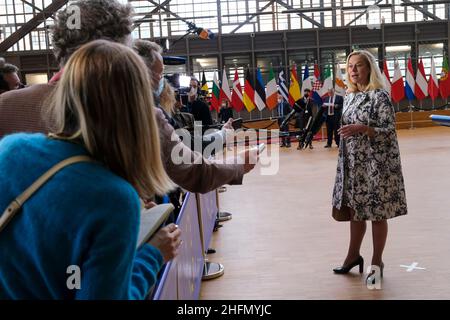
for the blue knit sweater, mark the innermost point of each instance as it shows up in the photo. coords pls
(84, 216)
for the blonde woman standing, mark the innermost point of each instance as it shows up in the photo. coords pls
(369, 182)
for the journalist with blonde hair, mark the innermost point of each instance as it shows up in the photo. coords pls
(369, 182)
(87, 215)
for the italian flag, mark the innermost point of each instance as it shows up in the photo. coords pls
(271, 95)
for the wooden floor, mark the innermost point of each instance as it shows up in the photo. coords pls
(282, 242)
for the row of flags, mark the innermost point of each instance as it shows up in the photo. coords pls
(417, 87)
(260, 96)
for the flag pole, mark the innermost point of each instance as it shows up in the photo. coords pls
(411, 114)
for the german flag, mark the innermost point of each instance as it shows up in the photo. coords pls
(249, 92)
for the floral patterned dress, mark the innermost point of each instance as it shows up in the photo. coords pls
(369, 176)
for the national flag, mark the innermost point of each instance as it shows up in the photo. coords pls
(398, 88)
(327, 83)
(316, 74)
(410, 82)
(282, 88)
(225, 92)
(307, 84)
(204, 83)
(339, 87)
(237, 100)
(260, 92)
(249, 92)
(215, 98)
(317, 86)
(271, 99)
(444, 81)
(421, 88)
(387, 78)
(433, 87)
(294, 88)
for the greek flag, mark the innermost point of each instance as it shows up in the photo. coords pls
(282, 86)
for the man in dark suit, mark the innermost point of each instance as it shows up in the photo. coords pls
(283, 109)
(304, 117)
(200, 110)
(333, 104)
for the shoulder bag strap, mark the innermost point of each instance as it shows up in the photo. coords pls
(17, 203)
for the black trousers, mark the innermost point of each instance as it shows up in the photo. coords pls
(284, 129)
(333, 125)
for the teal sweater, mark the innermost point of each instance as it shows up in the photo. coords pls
(85, 216)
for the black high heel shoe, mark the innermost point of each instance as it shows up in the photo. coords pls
(346, 269)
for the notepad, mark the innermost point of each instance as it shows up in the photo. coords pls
(151, 221)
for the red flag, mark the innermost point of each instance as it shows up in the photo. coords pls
(444, 81)
(398, 87)
(237, 100)
(433, 87)
(421, 89)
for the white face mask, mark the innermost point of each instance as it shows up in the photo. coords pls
(160, 89)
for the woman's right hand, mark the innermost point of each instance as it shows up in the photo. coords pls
(167, 241)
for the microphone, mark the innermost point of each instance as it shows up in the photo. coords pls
(313, 128)
(203, 33)
(287, 118)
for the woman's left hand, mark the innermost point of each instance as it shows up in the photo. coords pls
(351, 130)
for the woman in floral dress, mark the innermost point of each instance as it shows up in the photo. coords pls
(369, 182)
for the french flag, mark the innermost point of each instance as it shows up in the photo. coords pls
(410, 82)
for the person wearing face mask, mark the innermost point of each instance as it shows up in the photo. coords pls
(283, 109)
(199, 109)
(304, 117)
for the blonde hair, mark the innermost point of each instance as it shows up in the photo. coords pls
(375, 78)
(103, 101)
(167, 98)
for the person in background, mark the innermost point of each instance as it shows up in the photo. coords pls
(167, 100)
(369, 182)
(9, 77)
(199, 109)
(101, 109)
(333, 112)
(304, 117)
(283, 110)
(226, 113)
(21, 110)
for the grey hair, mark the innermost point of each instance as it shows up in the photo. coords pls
(100, 19)
(148, 50)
